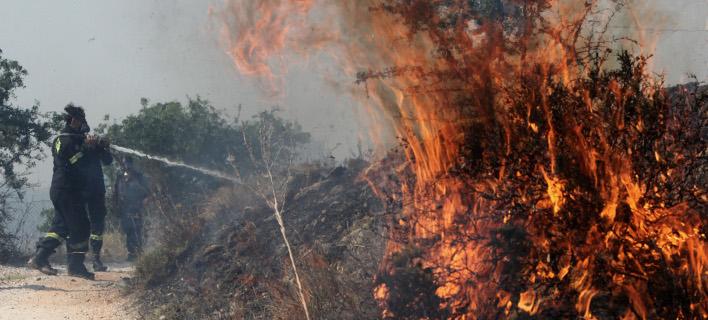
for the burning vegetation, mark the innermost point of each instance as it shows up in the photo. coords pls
(548, 176)
(546, 173)
(582, 200)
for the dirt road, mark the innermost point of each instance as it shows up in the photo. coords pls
(28, 294)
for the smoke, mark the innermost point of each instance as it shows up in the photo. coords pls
(177, 164)
(673, 33)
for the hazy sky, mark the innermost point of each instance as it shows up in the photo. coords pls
(106, 55)
(679, 29)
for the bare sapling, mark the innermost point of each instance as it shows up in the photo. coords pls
(272, 163)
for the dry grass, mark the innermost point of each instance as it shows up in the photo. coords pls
(233, 263)
(114, 248)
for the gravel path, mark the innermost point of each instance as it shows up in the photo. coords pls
(28, 294)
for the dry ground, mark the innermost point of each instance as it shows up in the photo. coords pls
(28, 294)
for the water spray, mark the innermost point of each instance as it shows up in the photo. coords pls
(176, 163)
(161, 159)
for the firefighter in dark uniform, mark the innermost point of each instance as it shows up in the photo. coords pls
(94, 194)
(130, 193)
(70, 218)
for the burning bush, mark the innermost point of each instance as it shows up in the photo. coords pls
(541, 181)
(567, 197)
(582, 200)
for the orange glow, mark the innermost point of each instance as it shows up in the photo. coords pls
(529, 302)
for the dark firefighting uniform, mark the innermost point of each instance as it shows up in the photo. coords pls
(94, 193)
(65, 192)
(130, 191)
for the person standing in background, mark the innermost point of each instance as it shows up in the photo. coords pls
(130, 193)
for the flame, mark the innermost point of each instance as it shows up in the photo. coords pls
(560, 204)
(265, 34)
(529, 301)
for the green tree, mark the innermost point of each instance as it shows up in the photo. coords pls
(197, 134)
(23, 133)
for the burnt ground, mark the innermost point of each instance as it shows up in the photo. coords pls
(236, 265)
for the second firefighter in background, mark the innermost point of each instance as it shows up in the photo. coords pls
(94, 194)
(130, 194)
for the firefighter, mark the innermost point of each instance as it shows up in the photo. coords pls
(130, 194)
(94, 194)
(70, 218)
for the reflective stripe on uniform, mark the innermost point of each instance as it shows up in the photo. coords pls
(97, 237)
(58, 145)
(55, 236)
(76, 157)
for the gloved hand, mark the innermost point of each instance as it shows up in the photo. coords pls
(91, 141)
(105, 142)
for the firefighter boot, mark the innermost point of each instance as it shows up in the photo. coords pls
(40, 261)
(96, 246)
(77, 267)
(97, 264)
